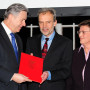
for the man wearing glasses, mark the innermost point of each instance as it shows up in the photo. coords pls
(80, 78)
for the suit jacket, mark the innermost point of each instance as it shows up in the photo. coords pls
(8, 62)
(75, 82)
(57, 61)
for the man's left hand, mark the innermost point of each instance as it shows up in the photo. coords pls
(44, 76)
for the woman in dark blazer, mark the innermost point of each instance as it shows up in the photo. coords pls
(80, 78)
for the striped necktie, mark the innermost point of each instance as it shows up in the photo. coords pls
(45, 49)
(14, 45)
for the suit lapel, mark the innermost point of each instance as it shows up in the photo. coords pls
(7, 40)
(53, 44)
(5, 36)
(20, 48)
(79, 60)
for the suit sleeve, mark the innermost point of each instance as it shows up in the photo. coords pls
(69, 83)
(7, 65)
(63, 69)
(5, 75)
(28, 46)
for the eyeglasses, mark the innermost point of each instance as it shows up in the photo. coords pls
(83, 32)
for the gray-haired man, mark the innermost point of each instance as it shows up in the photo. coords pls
(14, 20)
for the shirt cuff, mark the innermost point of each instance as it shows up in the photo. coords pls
(49, 77)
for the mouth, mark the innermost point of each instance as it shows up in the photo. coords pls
(81, 38)
(45, 29)
(20, 28)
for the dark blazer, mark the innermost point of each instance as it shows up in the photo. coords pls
(57, 61)
(8, 62)
(75, 82)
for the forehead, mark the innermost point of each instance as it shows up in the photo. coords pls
(48, 13)
(22, 15)
(84, 27)
(45, 16)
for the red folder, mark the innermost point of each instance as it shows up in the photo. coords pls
(31, 67)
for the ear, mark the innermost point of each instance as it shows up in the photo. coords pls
(10, 17)
(55, 22)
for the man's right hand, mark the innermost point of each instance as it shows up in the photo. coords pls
(19, 78)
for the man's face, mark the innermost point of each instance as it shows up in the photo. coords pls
(84, 37)
(46, 23)
(18, 21)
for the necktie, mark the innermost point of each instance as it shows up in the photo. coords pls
(44, 50)
(14, 45)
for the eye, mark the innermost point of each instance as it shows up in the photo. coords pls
(83, 32)
(40, 22)
(49, 22)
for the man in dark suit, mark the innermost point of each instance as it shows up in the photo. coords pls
(80, 78)
(14, 20)
(57, 62)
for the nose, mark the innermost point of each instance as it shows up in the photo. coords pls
(80, 34)
(44, 25)
(23, 23)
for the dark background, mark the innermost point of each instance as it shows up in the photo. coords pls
(68, 32)
(66, 16)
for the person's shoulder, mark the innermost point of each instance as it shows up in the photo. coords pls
(1, 28)
(17, 36)
(63, 38)
(35, 37)
(76, 51)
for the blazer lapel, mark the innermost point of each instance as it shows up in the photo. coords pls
(53, 44)
(7, 40)
(5, 37)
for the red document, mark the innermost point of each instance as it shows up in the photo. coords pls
(31, 67)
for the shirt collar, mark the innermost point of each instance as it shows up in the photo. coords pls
(81, 47)
(8, 31)
(50, 37)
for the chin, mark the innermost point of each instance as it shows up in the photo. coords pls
(45, 33)
(83, 43)
(18, 30)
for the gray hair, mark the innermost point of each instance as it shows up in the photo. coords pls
(15, 9)
(51, 10)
